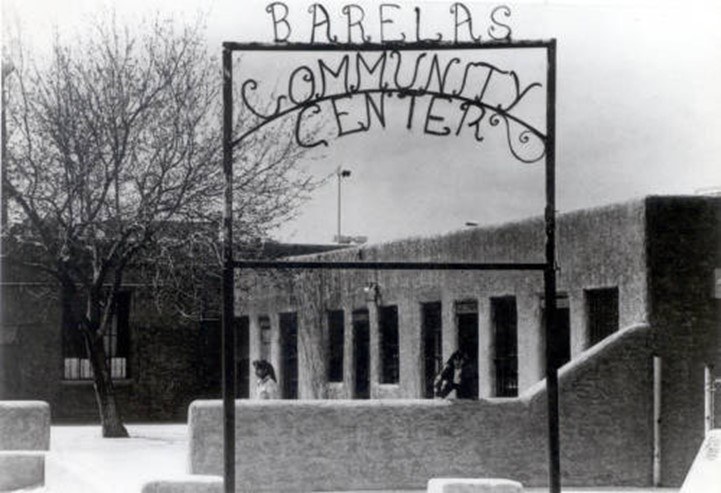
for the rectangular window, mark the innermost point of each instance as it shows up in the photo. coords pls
(562, 337)
(265, 339)
(211, 334)
(504, 320)
(289, 355)
(335, 345)
(388, 328)
(601, 313)
(74, 353)
(116, 342)
(242, 358)
(431, 327)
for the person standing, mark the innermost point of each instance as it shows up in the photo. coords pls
(267, 385)
(449, 381)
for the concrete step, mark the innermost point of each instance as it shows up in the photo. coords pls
(21, 469)
(467, 485)
(187, 484)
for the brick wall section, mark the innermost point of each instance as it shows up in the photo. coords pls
(684, 249)
(30, 346)
(397, 444)
(166, 374)
(165, 363)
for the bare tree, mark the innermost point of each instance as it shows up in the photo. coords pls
(113, 169)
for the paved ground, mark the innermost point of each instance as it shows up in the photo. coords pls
(80, 461)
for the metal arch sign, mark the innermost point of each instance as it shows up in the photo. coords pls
(445, 89)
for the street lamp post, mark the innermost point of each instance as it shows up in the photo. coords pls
(340, 173)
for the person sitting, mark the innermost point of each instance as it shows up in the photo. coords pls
(267, 385)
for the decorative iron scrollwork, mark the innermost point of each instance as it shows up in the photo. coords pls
(450, 80)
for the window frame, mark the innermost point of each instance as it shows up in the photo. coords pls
(116, 342)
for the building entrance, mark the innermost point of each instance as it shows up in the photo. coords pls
(525, 143)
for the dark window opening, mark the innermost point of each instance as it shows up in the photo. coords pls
(265, 337)
(211, 357)
(561, 349)
(504, 320)
(467, 327)
(116, 342)
(242, 357)
(388, 328)
(601, 313)
(361, 355)
(289, 355)
(432, 325)
(335, 345)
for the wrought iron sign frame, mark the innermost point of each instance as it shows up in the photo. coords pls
(230, 264)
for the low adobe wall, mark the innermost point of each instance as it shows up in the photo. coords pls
(24, 425)
(24, 435)
(606, 433)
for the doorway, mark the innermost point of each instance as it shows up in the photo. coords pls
(242, 358)
(562, 331)
(289, 355)
(431, 327)
(361, 355)
(504, 320)
(467, 327)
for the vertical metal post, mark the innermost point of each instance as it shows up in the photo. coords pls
(338, 172)
(554, 447)
(228, 343)
(709, 397)
(657, 400)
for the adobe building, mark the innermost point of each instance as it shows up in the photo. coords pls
(384, 334)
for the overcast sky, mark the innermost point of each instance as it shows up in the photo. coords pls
(638, 110)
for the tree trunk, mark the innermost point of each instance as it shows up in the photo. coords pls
(110, 420)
